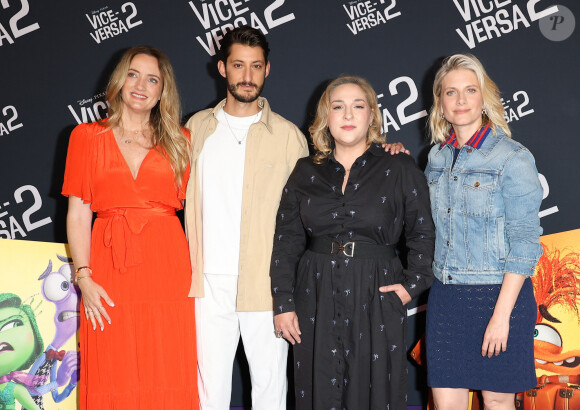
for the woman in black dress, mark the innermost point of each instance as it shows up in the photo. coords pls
(339, 288)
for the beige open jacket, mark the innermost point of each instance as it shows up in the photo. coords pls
(273, 146)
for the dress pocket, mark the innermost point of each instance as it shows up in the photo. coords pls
(392, 303)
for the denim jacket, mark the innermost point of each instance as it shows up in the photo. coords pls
(485, 210)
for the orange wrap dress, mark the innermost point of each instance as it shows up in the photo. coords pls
(146, 359)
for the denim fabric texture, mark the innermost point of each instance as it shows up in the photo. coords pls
(485, 209)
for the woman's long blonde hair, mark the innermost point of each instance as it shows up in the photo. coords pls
(439, 127)
(165, 117)
(319, 131)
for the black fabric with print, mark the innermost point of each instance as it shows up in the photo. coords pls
(353, 350)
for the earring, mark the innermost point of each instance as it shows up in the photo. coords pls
(484, 111)
(442, 116)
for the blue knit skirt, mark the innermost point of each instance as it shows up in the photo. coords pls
(457, 316)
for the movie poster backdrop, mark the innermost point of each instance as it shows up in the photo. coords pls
(55, 59)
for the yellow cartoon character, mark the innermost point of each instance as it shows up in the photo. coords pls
(557, 332)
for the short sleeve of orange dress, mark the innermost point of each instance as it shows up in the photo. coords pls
(77, 175)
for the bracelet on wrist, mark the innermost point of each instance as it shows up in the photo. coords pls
(80, 270)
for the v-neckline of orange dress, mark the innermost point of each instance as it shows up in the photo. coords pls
(134, 178)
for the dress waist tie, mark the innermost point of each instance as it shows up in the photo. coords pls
(121, 231)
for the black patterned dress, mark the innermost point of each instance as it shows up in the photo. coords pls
(353, 350)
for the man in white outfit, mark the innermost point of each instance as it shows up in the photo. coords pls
(242, 155)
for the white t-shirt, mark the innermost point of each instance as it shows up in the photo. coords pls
(221, 178)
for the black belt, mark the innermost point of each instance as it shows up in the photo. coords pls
(356, 249)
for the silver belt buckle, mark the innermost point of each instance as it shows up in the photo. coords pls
(336, 247)
(344, 248)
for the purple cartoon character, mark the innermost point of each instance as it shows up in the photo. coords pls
(58, 289)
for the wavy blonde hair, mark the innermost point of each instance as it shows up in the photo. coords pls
(439, 127)
(319, 131)
(165, 117)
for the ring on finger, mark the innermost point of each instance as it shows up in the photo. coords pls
(278, 333)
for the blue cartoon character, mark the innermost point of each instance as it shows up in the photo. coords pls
(20, 344)
(57, 289)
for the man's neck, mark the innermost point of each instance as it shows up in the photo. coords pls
(240, 109)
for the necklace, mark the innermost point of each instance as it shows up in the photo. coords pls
(239, 141)
(133, 134)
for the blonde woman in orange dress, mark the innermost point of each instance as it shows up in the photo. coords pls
(137, 335)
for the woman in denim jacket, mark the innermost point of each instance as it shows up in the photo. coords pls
(485, 198)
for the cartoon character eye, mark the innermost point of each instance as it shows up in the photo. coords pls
(55, 287)
(546, 333)
(11, 325)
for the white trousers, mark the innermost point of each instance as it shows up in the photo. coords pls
(219, 328)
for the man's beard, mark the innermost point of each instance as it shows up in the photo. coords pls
(244, 97)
